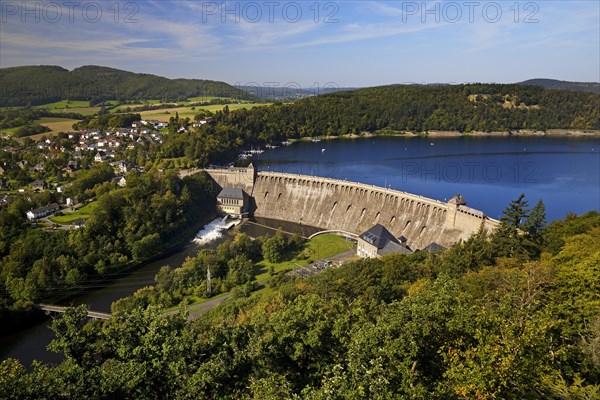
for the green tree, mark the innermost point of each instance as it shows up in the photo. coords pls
(508, 240)
(534, 225)
(274, 248)
(240, 269)
(74, 338)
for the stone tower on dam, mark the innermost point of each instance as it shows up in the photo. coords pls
(332, 204)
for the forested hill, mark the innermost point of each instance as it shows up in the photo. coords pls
(463, 108)
(593, 87)
(36, 85)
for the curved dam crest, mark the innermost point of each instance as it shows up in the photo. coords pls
(332, 204)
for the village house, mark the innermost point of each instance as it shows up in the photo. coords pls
(100, 156)
(378, 241)
(39, 184)
(121, 181)
(72, 167)
(434, 247)
(4, 201)
(42, 211)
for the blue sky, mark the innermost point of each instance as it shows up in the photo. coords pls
(345, 43)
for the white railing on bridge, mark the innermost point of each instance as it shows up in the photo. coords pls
(48, 308)
(337, 232)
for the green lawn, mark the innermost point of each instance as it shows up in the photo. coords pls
(75, 106)
(318, 248)
(83, 213)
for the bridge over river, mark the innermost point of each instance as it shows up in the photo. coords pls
(49, 309)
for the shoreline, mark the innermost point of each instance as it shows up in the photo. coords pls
(455, 134)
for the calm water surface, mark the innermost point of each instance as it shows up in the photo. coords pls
(488, 172)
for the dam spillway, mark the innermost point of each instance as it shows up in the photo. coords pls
(332, 204)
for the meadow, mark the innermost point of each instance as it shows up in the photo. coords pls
(165, 114)
(55, 124)
(82, 213)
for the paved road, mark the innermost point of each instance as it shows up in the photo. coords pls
(198, 310)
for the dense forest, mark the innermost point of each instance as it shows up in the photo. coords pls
(154, 212)
(462, 108)
(34, 85)
(390, 109)
(514, 315)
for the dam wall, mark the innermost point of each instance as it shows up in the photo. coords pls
(241, 178)
(332, 204)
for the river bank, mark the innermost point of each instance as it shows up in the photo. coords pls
(456, 134)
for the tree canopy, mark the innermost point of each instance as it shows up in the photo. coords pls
(403, 326)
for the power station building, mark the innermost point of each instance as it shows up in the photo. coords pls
(232, 201)
(378, 242)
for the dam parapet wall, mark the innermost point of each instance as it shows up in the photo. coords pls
(333, 204)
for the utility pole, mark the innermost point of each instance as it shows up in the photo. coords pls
(208, 289)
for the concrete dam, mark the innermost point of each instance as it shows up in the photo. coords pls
(331, 204)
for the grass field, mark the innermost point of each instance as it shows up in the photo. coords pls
(83, 213)
(56, 125)
(74, 106)
(165, 114)
(318, 248)
(65, 105)
(8, 131)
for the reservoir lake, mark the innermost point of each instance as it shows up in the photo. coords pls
(488, 171)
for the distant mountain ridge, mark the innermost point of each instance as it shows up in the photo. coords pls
(593, 87)
(291, 92)
(20, 86)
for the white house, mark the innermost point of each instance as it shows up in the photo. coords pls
(42, 211)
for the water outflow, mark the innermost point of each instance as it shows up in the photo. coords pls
(214, 230)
